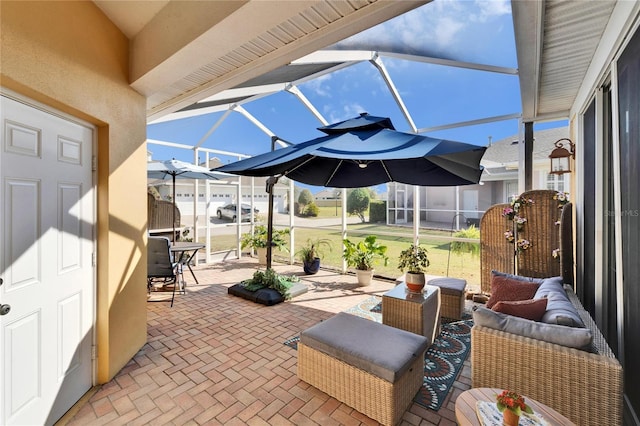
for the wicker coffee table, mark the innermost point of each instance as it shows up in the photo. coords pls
(418, 313)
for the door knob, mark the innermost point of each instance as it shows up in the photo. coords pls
(4, 309)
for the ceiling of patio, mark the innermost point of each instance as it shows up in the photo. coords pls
(185, 52)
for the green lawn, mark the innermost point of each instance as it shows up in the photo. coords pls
(394, 237)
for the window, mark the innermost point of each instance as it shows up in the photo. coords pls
(555, 182)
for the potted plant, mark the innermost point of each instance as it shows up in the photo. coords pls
(309, 254)
(415, 261)
(511, 405)
(363, 255)
(258, 240)
(271, 279)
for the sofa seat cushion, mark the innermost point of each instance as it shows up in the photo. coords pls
(379, 349)
(572, 337)
(532, 309)
(560, 310)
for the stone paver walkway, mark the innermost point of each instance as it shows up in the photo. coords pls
(216, 359)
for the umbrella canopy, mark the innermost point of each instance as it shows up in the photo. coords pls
(172, 169)
(366, 151)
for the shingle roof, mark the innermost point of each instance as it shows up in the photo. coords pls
(505, 150)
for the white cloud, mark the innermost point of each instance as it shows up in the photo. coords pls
(345, 112)
(491, 8)
(319, 85)
(436, 28)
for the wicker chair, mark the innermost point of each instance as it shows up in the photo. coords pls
(160, 215)
(543, 234)
(495, 251)
(540, 230)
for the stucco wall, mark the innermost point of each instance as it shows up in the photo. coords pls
(70, 56)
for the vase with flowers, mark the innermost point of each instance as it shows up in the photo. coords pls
(512, 405)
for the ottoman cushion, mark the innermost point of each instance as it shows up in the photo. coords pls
(381, 350)
(454, 286)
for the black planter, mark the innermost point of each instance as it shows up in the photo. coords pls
(265, 296)
(311, 268)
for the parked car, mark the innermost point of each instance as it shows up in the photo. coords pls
(229, 211)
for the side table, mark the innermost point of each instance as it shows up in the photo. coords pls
(418, 313)
(466, 414)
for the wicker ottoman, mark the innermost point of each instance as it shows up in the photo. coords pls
(371, 367)
(452, 296)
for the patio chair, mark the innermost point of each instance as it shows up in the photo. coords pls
(161, 268)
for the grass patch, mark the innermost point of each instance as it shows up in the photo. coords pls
(396, 238)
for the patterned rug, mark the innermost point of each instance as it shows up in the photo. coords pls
(443, 360)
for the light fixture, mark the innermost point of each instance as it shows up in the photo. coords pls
(362, 163)
(560, 162)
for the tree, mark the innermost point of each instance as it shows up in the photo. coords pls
(358, 202)
(373, 195)
(305, 198)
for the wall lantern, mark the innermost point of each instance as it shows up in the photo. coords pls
(560, 162)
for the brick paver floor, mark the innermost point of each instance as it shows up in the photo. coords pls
(217, 359)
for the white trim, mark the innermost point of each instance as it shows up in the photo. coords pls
(617, 203)
(599, 205)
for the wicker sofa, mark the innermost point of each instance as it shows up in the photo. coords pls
(585, 386)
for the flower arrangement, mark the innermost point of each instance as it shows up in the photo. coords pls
(508, 212)
(512, 401)
(509, 236)
(519, 220)
(562, 198)
(522, 244)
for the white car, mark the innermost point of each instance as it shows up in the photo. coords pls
(229, 211)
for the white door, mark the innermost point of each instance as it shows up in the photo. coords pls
(47, 241)
(401, 206)
(470, 203)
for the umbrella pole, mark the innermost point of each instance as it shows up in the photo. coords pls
(270, 183)
(173, 211)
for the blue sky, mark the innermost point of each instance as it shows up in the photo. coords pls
(472, 31)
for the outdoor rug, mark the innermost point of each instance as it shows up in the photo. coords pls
(442, 362)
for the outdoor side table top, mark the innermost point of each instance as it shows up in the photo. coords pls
(418, 313)
(466, 414)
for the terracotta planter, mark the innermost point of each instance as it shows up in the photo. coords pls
(364, 277)
(415, 282)
(510, 418)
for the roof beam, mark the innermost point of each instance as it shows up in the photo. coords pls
(528, 22)
(377, 62)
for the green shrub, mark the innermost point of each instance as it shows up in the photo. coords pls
(378, 211)
(312, 210)
(461, 247)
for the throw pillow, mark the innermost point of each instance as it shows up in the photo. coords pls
(532, 309)
(504, 288)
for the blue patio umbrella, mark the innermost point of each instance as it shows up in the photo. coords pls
(366, 151)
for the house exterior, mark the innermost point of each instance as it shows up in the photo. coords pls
(100, 71)
(222, 192)
(456, 207)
